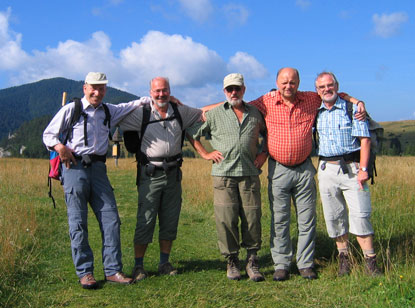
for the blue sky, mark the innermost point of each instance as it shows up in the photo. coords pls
(369, 45)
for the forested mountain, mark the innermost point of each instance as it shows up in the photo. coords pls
(30, 101)
(26, 110)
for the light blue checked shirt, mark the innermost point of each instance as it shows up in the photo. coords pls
(337, 135)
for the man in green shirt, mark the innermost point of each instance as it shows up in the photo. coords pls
(234, 128)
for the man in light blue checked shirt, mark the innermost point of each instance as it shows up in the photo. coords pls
(344, 148)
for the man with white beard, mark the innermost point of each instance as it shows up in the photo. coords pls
(159, 178)
(234, 128)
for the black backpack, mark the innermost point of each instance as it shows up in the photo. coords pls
(132, 139)
(376, 134)
(55, 168)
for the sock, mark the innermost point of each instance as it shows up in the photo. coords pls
(164, 257)
(139, 261)
(251, 252)
(369, 253)
(343, 250)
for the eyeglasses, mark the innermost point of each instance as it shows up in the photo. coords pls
(230, 89)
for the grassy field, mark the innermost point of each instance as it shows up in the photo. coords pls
(36, 268)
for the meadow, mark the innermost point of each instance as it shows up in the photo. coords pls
(36, 268)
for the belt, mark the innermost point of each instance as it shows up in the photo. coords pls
(287, 166)
(92, 157)
(342, 160)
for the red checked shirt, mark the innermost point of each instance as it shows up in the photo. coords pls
(289, 129)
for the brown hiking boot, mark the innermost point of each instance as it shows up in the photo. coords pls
(344, 264)
(281, 275)
(139, 273)
(232, 268)
(167, 269)
(371, 267)
(308, 273)
(88, 281)
(252, 269)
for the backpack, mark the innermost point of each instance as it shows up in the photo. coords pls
(55, 167)
(376, 134)
(132, 139)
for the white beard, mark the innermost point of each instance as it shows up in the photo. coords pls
(235, 102)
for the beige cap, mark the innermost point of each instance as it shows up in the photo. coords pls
(233, 79)
(96, 78)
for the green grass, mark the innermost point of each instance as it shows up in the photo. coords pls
(44, 275)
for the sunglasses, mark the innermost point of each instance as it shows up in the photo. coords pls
(230, 89)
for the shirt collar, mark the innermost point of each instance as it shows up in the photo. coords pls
(338, 104)
(298, 98)
(86, 104)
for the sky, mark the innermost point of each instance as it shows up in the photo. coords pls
(368, 45)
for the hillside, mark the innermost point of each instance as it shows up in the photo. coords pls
(399, 137)
(30, 101)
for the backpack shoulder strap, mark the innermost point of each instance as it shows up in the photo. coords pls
(107, 120)
(145, 121)
(180, 120)
(75, 115)
(349, 110)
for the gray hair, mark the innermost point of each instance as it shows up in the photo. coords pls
(326, 73)
(159, 77)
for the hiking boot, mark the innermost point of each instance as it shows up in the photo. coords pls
(344, 264)
(371, 267)
(118, 278)
(139, 273)
(252, 269)
(232, 268)
(167, 269)
(280, 275)
(308, 273)
(88, 282)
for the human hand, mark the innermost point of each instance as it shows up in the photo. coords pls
(214, 156)
(361, 111)
(65, 155)
(362, 177)
(260, 160)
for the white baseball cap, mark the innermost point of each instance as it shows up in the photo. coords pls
(96, 78)
(233, 79)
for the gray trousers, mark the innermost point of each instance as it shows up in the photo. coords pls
(296, 184)
(82, 185)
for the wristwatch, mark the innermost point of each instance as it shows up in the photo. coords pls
(364, 169)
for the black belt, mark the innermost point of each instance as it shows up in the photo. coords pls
(165, 159)
(92, 157)
(343, 159)
(291, 167)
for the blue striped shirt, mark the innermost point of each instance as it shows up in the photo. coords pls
(337, 134)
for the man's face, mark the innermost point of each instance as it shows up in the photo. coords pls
(287, 83)
(327, 88)
(234, 94)
(94, 93)
(160, 92)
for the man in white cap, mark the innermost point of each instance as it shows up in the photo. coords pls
(84, 177)
(234, 128)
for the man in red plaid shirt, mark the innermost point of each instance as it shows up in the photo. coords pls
(289, 115)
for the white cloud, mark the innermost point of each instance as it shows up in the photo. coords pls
(247, 65)
(198, 10)
(303, 4)
(388, 25)
(11, 54)
(184, 61)
(195, 71)
(236, 14)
